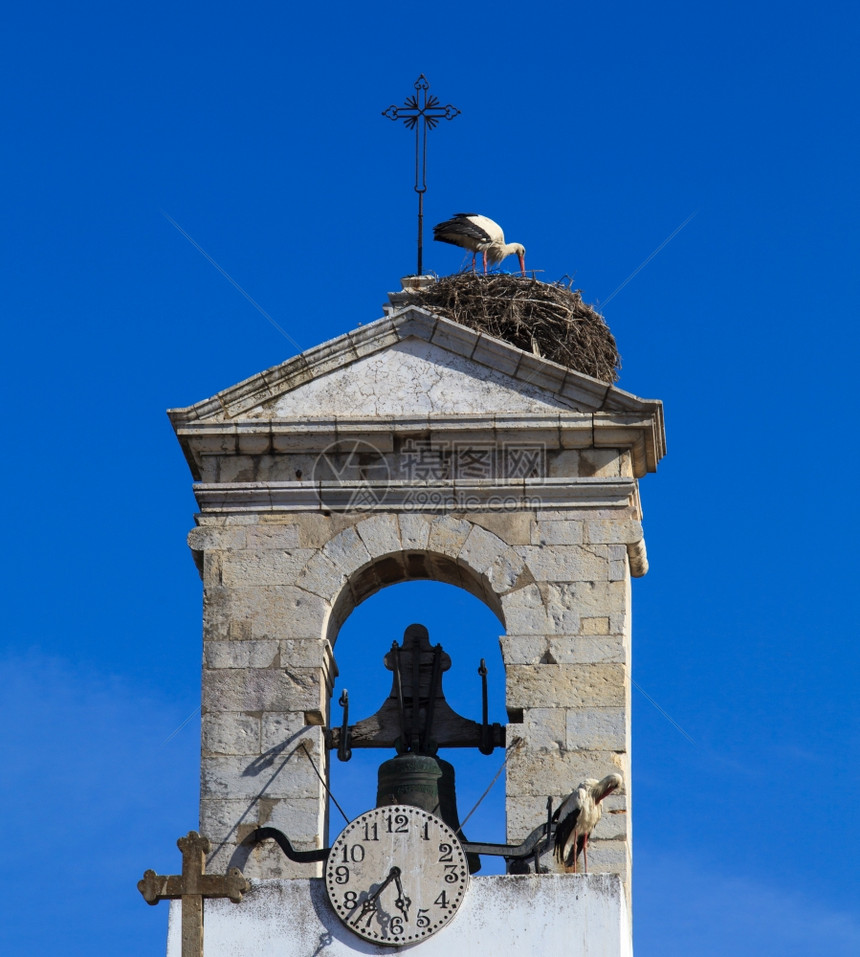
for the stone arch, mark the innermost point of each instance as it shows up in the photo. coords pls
(385, 549)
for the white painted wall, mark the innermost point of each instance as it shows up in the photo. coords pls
(546, 915)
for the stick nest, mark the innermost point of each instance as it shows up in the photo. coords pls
(550, 320)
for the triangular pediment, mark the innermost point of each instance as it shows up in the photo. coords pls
(410, 363)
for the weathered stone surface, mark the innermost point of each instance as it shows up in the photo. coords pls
(576, 649)
(596, 729)
(207, 538)
(567, 563)
(525, 612)
(414, 531)
(564, 532)
(544, 729)
(275, 774)
(380, 534)
(305, 653)
(566, 686)
(513, 528)
(608, 530)
(523, 649)
(259, 689)
(558, 773)
(271, 611)
(594, 626)
(241, 654)
(231, 732)
(600, 463)
(348, 552)
(278, 727)
(264, 567)
(448, 535)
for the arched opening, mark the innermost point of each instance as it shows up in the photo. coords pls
(468, 630)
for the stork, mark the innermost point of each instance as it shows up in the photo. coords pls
(577, 817)
(480, 235)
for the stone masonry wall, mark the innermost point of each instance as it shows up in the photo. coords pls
(277, 585)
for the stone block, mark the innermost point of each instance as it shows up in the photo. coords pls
(302, 820)
(567, 563)
(596, 729)
(447, 535)
(278, 727)
(566, 686)
(264, 567)
(525, 613)
(523, 649)
(305, 653)
(563, 463)
(414, 531)
(575, 649)
(612, 826)
(608, 530)
(565, 532)
(347, 551)
(513, 528)
(230, 732)
(380, 534)
(283, 774)
(557, 773)
(258, 689)
(600, 463)
(271, 611)
(609, 857)
(594, 626)
(544, 729)
(525, 812)
(322, 577)
(241, 654)
(316, 529)
(206, 538)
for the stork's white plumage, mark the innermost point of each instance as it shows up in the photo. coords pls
(577, 817)
(480, 235)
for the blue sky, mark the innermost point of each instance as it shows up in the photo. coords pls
(591, 132)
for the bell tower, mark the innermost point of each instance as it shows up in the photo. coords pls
(415, 447)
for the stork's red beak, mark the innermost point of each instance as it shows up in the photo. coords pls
(522, 265)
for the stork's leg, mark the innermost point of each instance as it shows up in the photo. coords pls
(585, 852)
(474, 257)
(485, 262)
(574, 851)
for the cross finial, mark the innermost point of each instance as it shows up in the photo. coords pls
(191, 887)
(421, 111)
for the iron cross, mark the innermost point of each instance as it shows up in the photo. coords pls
(421, 111)
(191, 887)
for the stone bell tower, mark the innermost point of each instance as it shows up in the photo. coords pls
(415, 448)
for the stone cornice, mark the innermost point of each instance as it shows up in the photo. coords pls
(640, 433)
(498, 495)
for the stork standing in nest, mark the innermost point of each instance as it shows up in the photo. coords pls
(577, 817)
(480, 235)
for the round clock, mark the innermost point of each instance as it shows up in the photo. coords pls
(396, 874)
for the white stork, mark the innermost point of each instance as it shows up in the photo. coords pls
(480, 235)
(577, 817)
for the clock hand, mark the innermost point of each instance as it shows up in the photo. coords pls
(368, 907)
(402, 901)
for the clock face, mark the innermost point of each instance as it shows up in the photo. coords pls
(396, 874)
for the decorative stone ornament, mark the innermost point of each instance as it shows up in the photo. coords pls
(396, 875)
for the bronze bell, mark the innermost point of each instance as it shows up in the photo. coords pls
(425, 781)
